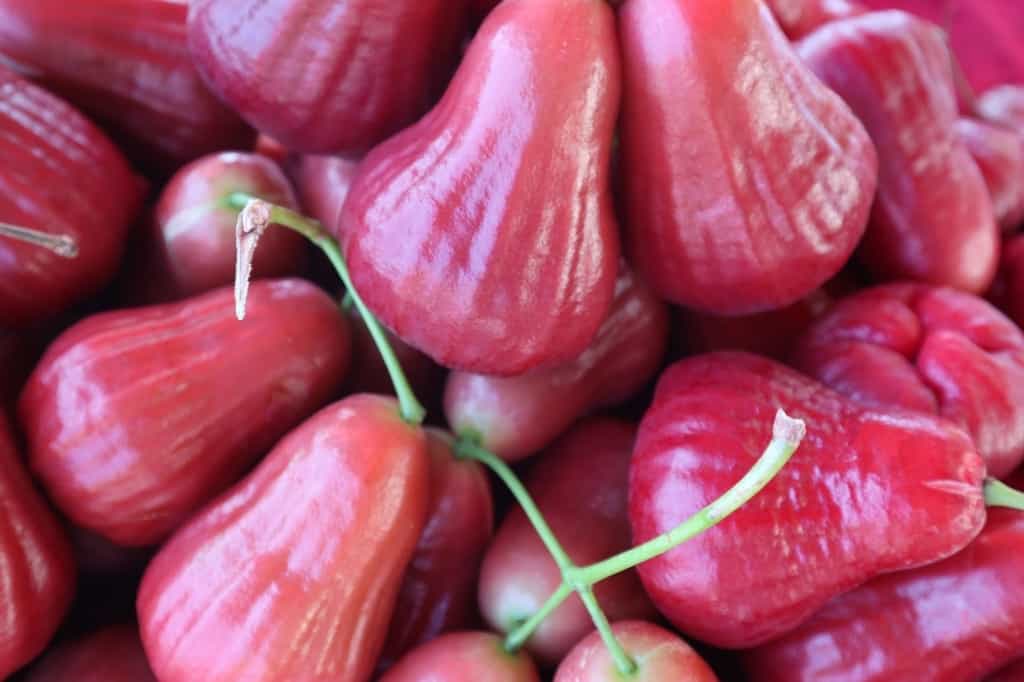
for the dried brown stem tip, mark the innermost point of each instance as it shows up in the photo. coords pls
(252, 222)
(61, 244)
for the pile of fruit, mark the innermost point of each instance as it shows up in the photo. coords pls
(478, 341)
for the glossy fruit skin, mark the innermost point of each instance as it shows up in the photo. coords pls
(438, 592)
(463, 657)
(936, 350)
(660, 656)
(324, 77)
(800, 17)
(292, 573)
(484, 235)
(126, 64)
(137, 417)
(706, 226)
(999, 154)
(515, 417)
(868, 492)
(37, 568)
(952, 621)
(932, 220)
(113, 654)
(322, 183)
(580, 486)
(1003, 105)
(60, 175)
(189, 247)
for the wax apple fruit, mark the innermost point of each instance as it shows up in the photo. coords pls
(37, 569)
(999, 154)
(322, 183)
(800, 17)
(325, 77)
(484, 235)
(514, 417)
(868, 492)
(113, 654)
(292, 574)
(936, 350)
(62, 176)
(438, 592)
(463, 657)
(189, 247)
(659, 656)
(932, 219)
(747, 182)
(126, 64)
(1003, 105)
(137, 417)
(580, 487)
(1008, 290)
(952, 621)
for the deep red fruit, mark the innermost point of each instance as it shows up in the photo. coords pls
(952, 621)
(484, 235)
(438, 592)
(292, 574)
(1011, 673)
(37, 569)
(463, 657)
(923, 348)
(59, 175)
(660, 656)
(1008, 290)
(126, 64)
(322, 183)
(580, 486)
(327, 77)
(932, 220)
(514, 417)
(135, 418)
(113, 654)
(748, 183)
(999, 154)
(190, 247)
(800, 17)
(867, 492)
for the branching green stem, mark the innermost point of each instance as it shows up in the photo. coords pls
(787, 433)
(254, 218)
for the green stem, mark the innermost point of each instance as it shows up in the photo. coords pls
(786, 436)
(467, 449)
(998, 494)
(518, 637)
(625, 664)
(254, 218)
(61, 244)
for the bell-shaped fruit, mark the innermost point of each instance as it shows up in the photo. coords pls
(514, 417)
(37, 568)
(580, 487)
(126, 64)
(135, 418)
(868, 492)
(60, 175)
(999, 154)
(438, 592)
(189, 247)
(659, 656)
(324, 76)
(484, 235)
(932, 220)
(463, 657)
(292, 574)
(748, 183)
(936, 350)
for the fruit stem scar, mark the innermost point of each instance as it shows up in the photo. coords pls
(998, 494)
(63, 245)
(255, 216)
